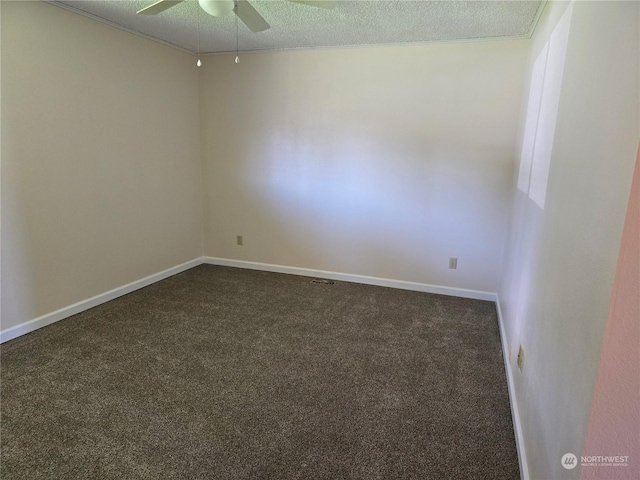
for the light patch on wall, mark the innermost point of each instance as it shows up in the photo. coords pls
(542, 112)
(533, 112)
(346, 192)
(335, 192)
(343, 183)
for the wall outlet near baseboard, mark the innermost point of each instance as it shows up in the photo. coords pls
(453, 263)
(239, 240)
(520, 358)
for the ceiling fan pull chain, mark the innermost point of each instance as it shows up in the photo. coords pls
(199, 62)
(237, 41)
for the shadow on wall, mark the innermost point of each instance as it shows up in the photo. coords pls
(18, 271)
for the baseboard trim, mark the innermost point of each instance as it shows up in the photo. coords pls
(349, 277)
(49, 318)
(515, 415)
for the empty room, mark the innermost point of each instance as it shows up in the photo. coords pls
(323, 239)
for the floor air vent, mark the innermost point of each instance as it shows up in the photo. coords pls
(323, 281)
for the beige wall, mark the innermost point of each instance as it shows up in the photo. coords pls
(561, 257)
(100, 159)
(378, 161)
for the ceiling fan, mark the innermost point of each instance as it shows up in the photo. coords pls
(242, 8)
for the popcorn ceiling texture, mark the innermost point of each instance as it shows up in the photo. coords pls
(351, 23)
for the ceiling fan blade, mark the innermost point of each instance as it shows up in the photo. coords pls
(317, 3)
(250, 17)
(159, 6)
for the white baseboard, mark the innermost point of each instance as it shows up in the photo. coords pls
(515, 415)
(49, 318)
(349, 277)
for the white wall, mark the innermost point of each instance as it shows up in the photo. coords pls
(562, 251)
(379, 161)
(100, 159)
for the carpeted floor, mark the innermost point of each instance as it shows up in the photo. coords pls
(223, 373)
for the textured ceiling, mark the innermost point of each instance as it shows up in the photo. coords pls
(351, 23)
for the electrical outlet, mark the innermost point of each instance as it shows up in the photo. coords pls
(239, 240)
(520, 358)
(453, 263)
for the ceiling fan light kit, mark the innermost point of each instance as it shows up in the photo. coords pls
(217, 8)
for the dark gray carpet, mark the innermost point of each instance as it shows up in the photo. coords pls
(225, 373)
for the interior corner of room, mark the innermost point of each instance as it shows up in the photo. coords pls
(511, 160)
